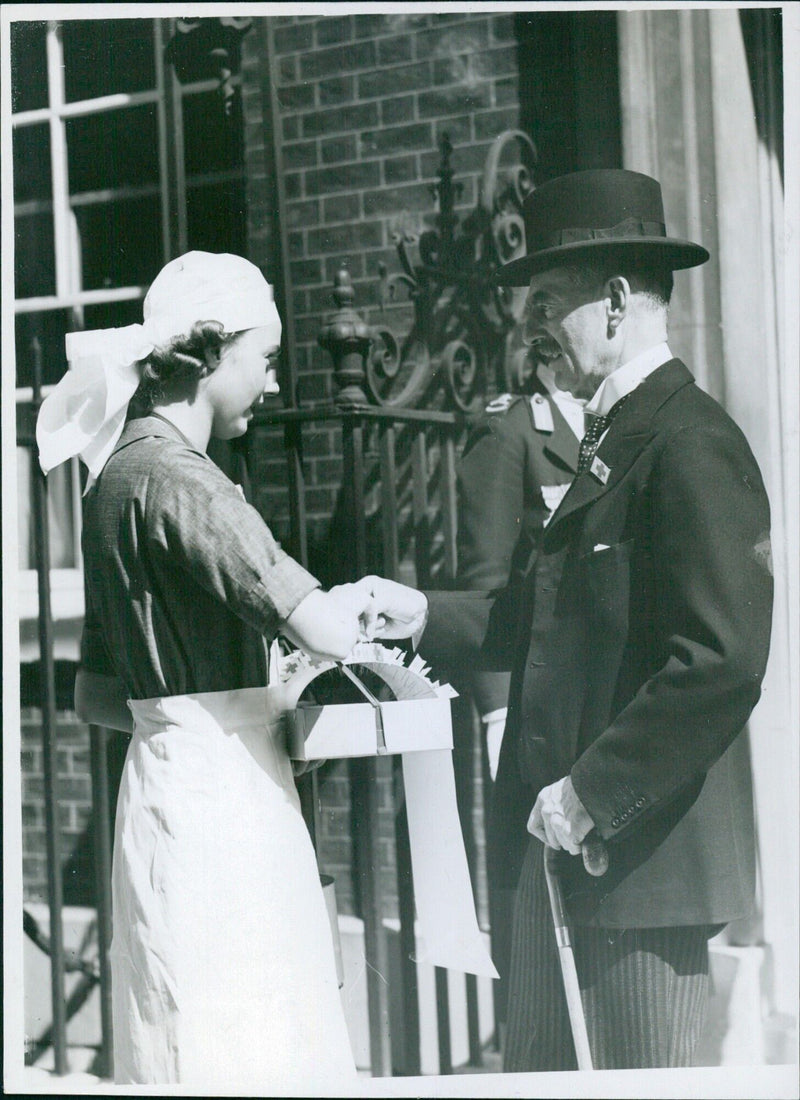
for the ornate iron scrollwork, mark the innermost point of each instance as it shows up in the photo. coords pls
(347, 338)
(462, 341)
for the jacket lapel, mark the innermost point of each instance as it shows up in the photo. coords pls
(625, 440)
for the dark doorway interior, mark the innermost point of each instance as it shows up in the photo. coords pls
(569, 89)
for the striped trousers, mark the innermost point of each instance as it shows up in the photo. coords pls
(644, 990)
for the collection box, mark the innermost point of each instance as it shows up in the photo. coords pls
(418, 719)
(361, 729)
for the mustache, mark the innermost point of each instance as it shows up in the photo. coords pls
(543, 347)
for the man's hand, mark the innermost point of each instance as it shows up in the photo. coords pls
(559, 818)
(396, 611)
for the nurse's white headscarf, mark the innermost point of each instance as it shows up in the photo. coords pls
(85, 414)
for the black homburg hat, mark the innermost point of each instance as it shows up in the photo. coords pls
(586, 213)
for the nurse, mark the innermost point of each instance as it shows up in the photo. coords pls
(222, 960)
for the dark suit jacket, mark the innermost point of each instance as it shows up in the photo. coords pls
(652, 662)
(508, 469)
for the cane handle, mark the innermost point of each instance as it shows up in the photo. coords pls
(595, 855)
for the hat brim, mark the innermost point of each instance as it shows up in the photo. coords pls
(676, 254)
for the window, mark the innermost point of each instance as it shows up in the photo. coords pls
(117, 168)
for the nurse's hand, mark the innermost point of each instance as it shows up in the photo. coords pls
(328, 624)
(357, 601)
(395, 610)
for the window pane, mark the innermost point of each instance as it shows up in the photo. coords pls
(213, 141)
(216, 216)
(25, 554)
(114, 314)
(120, 242)
(102, 56)
(28, 66)
(48, 328)
(113, 149)
(34, 262)
(31, 146)
(60, 512)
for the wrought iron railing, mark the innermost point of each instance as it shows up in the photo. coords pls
(93, 973)
(411, 459)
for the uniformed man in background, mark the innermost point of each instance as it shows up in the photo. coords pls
(517, 464)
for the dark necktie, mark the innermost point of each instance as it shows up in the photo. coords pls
(593, 433)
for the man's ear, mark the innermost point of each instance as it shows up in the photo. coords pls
(617, 296)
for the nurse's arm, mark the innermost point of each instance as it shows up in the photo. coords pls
(328, 624)
(102, 701)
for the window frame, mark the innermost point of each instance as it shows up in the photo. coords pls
(168, 95)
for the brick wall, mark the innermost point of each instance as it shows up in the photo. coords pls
(74, 788)
(363, 101)
(75, 800)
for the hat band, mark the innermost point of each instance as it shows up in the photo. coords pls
(630, 227)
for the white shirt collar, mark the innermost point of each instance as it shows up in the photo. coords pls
(627, 377)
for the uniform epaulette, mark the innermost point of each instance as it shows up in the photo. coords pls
(502, 403)
(542, 413)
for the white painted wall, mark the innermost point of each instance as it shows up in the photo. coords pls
(688, 118)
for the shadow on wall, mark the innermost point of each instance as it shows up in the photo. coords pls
(762, 32)
(569, 89)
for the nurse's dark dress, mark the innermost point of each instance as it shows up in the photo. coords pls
(222, 961)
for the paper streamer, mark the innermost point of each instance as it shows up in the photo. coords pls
(442, 886)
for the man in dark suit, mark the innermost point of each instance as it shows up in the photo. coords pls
(630, 689)
(518, 462)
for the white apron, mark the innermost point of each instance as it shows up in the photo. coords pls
(222, 958)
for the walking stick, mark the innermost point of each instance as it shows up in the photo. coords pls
(595, 860)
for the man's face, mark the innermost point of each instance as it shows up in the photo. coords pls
(562, 318)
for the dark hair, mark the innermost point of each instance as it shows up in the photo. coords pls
(172, 371)
(645, 274)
